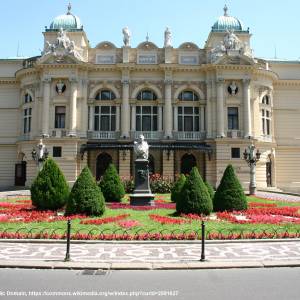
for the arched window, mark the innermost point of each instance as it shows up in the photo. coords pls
(146, 95)
(188, 161)
(103, 161)
(105, 95)
(266, 116)
(27, 98)
(151, 164)
(188, 96)
(266, 100)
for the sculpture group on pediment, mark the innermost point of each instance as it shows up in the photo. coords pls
(61, 47)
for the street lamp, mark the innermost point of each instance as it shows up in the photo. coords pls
(252, 156)
(40, 155)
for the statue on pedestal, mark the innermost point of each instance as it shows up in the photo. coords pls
(168, 38)
(126, 36)
(141, 148)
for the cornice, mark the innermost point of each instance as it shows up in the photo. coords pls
(288, 82)
(268, 73)
(8, 80)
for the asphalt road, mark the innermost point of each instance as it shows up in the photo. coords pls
(233, 284)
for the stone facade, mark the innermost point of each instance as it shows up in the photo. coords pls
(195, 106)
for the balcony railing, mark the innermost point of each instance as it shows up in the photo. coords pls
(24, 137)
(58, 133)
(103, 135)
(149, 135)
(235, 134)
(189, 135)
(266, 138)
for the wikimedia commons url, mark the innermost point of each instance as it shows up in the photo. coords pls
(79, 293)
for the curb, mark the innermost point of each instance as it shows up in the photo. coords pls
(189, 265)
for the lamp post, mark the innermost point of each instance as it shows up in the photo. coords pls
(40, 155)
(252, 156)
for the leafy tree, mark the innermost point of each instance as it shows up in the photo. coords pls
(230, 194)
(177, 187)
(50, 190)
(194, 197)
(86, 196)
(111, 185)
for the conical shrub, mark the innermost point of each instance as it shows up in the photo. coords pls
(176, 189)
(230, 194)
(86, 196)
(50, 190)
(210, 189)
(194, 197)
(111, 185)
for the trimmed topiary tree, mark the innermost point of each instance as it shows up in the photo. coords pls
(86, 196)
(177, 187)
(230, 194)
(210, 189)
(111, 185)
(194, 197)
(50, 190)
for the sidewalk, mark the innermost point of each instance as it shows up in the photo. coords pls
(172, 255)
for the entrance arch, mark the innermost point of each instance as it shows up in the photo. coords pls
(103, 161)
(188, 161)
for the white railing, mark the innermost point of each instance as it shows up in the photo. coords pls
(266, 138)
(149, 135)
(190, 135)
(103, 135)
(234, 134)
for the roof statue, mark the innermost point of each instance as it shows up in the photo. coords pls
(141, 148)
(126, 36)
(168, 38)
(61, 47)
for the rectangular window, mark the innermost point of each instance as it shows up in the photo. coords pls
(266, 122)
(188, 118)
(233, 118)
(60, 117)
(27, 120)
(235, 153)
(57, 151)
(146, 118)
(105, 118)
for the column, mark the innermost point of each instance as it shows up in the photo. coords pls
(73, 109)
(220, 108)
(159, 118)
(84, 109)
(125, 112)
(91, 119)
(133, 112)
(175, 118)
(202, 119)
(247, 109)
(168, 120)
(117, 118)
(46, 106)
(208, 120)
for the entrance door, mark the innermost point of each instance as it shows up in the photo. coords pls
(20, 173)
(103, 161)
(269, 173)
(188, 161)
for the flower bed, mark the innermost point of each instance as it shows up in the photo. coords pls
(105, 220)
(167, 220)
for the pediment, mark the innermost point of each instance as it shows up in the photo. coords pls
(55, 59)
(234, 60)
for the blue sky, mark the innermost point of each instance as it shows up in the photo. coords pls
(274, 24)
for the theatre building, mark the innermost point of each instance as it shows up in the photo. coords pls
(195, 106)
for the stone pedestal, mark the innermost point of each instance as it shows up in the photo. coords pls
(142, 193)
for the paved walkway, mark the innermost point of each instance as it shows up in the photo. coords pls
(151, 252)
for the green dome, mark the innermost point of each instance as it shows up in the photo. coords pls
(66, 22)
(227, 22)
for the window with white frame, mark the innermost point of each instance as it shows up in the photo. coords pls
(27, 120)
(146, 118)
(105, 95)
(188, 118)
(233, 118)
(266, 121)
(105, 118)
(188, 96)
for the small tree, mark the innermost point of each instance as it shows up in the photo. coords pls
(177, 187)
(111, 185)
(194, 197)
(50, 189)
(85, 197)
(210, 189)
(229, 195)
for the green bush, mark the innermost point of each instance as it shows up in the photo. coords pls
(194, 197)
(50, 190)
(177, 187)
(111, 185)
(229, 195)
(85, 197)
(128, 184)
(159, 184)
(210, 189)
